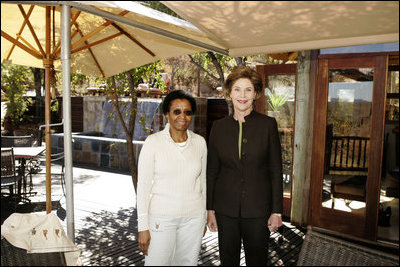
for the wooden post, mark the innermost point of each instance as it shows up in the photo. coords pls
(302, 148)
(48, 62)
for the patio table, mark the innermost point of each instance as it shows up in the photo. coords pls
(23, 154)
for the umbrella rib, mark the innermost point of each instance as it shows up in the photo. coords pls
(27, 43)
(20, 31)
(90, 50)
(101, 27)
(88, 45)
(57, 47)
(31, 29)
(149, 28)
(133, 39)
(20, 45)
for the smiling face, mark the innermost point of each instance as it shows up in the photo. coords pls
(243, 95)
(179, 115)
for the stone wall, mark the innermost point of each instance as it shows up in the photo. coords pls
(97, 151)
(93, 116)
(112, 152)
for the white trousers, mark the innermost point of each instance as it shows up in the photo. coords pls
(175, 241)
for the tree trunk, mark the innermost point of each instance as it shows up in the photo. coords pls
(132, 164)
(128, 129)
(37, 76)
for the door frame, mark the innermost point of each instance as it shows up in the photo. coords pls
(278, 69)
(336, 220)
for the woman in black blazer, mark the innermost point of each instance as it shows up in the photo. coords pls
(244, 174)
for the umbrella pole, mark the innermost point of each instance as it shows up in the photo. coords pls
(48, 62)
(66, 68)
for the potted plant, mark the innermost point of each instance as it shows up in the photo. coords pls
(275, 101)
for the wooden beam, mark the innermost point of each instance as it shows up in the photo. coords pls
(28, 44)
(20, 45)
(48, 62)
(301, 138)
(20, 31)
(133, 39)
(32, 30)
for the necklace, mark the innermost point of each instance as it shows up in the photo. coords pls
(181, 144)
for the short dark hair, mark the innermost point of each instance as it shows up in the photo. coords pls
(178, 94)
(244, 72)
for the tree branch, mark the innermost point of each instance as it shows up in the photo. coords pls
(115, 102)
(133, 111)
(203, 69)
(214, 60)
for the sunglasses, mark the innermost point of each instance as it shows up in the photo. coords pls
(178, 112)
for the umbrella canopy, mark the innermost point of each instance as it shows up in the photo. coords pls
(255, 27)
(103, 38)
(99, 46)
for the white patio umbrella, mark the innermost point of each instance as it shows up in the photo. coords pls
(255, 27)
(99, 38)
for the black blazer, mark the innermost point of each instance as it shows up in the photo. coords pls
(250, 187)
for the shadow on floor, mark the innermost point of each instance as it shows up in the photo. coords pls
(109, 238)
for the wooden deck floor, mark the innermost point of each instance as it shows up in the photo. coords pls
(106, 226)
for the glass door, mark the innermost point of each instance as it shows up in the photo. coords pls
(279, 102)
(348, 132)
(347, 145)
(388, 214)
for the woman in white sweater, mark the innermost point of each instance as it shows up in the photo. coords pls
(171, 193)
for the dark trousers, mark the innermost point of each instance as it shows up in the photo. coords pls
(254, 233)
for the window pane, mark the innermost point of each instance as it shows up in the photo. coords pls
(279, 98)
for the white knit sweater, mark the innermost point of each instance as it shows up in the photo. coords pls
(171, 181)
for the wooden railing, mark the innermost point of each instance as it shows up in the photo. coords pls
(346, 165)
(348, 153)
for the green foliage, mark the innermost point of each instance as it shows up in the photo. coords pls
(157, 5)
(54, 106)
(15, 81)
(225, 62)
(142, 121)
(140, 74)
(77, 82)
(275, 101)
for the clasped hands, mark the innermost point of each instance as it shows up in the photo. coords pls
(273, 223)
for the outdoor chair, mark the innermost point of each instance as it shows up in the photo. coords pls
(346, 165)
(36, 165)
(57, 166)
(9, 176)
(17, 141)
(14, 256)
(334, 249)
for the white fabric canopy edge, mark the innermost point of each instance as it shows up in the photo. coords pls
(315, 44)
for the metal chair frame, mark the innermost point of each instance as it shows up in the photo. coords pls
(55, 158)
(9, 175)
